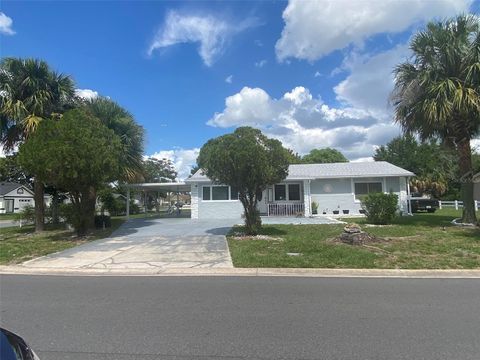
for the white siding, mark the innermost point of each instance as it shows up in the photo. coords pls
(213, 209)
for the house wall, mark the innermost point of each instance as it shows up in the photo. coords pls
(19, 200)
(338, 194)
(213, 209)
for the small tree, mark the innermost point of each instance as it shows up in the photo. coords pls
(76, 153)
(248, 161)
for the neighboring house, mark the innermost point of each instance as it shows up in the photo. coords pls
(334, 187)
(476, 187)
(14, 197)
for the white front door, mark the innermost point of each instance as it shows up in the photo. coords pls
(262, 203)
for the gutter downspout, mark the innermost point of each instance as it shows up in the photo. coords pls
(409, 200)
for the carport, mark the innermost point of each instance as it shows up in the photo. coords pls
(172, 187)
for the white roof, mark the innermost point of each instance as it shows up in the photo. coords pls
(173, 186)
(334, 170)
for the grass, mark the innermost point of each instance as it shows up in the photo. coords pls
(7, 216)
(22, 244)
(423, 241)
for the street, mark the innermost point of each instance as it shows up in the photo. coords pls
(243, 317)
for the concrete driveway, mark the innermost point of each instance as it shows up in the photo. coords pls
(149, 244)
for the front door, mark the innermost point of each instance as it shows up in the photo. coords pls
(262, 203)
(9, 206)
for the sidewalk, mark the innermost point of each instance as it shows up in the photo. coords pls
(290, 272)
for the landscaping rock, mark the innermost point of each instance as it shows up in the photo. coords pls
(353, 235)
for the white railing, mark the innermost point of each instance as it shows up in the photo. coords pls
(286, 209)
(456, 204)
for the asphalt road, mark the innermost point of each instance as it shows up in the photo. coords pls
(243, 318)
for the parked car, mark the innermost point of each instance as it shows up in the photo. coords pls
(421, 203)
(13, 347)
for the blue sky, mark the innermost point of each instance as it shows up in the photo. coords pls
(311, 73)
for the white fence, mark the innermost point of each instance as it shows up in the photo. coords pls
(456, 204)
(294, 209)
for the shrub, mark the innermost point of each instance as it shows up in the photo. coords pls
(380, 208)
(27, 215)
(314, 207)
(100, 220)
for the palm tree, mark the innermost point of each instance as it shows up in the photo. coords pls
(30, 92)
(130, 133)
(436, 93)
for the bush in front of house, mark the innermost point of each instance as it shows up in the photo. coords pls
(314, 207)
(380, 208)
(26, 215)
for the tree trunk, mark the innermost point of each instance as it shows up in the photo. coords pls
(91, 203)
(253, 222)
(466, 181)
(38, 190)
(55, 205)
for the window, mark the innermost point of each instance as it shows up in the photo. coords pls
(280, 193)
(290, 193)
(293, 192)
(206, 193)
(219, 192)
(363, 189)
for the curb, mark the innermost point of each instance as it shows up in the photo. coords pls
(264, 272)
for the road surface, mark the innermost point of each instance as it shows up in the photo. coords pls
(128, 318)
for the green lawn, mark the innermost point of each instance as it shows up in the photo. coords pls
(21, 244)
(422, 241)
(7, 216)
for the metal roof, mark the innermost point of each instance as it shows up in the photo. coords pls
(173, 187)
(333, 170)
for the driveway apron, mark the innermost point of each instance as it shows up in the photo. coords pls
(150, 243)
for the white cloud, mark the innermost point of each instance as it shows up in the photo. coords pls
(259, 43)
(316, 28)
(182, 159)
(370, 80)
(317, 74)
(210, 32)
(261, 63)
(229, 79)
(86, 94)
(6, 24)
(303, 122)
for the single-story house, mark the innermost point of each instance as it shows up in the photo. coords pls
(14, 197)
(476, 187)
(333, 187)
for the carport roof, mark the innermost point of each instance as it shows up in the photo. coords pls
(173, 187)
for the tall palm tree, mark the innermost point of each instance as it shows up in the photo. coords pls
(131, 136)
(437, 92)
(30, 92)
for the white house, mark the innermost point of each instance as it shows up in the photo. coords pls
(336, 188)
(14, 197)
(476, 187)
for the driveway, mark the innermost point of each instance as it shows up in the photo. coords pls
(149, 244)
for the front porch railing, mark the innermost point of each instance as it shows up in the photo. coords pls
(287, 209)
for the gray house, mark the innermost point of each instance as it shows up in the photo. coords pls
(14, 197)
(335, 187)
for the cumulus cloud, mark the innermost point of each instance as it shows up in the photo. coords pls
(86, 94)
(229, 79)
(211, 33)
(303, 122)
(182, 159)
(370, 80)
(316, 28)
(6, 24)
